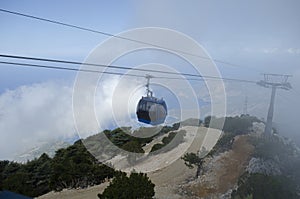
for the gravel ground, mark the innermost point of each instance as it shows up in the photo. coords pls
(171, 172)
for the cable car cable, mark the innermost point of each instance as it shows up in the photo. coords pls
(123, 68)
(65, 68)
(116, 36)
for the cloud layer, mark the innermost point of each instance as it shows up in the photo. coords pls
(34, 113)
(38, 113)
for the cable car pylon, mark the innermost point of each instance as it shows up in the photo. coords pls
(269, 82)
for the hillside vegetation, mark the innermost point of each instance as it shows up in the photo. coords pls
(246, 164)
(72, 167)
(242, 164)
(273, 171)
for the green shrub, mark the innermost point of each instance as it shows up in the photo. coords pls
(137, 185)
(261, 186)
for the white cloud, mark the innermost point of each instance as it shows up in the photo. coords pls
(270, 50)
(42, 112)
(116, 101)
(293, 51)
(274, 50)
(34, 113)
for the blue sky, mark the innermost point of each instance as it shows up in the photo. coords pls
(33, 38)
(259, 36)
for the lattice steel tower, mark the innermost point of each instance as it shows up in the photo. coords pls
(273, 81)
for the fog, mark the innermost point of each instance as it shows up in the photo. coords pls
(257, 37)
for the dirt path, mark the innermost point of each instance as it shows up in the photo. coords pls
(234, 163)
(224, 170)
(168, 179)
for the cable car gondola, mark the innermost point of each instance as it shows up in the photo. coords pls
(151, 110)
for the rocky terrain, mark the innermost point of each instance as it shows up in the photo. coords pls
(169, 177)
(226, 170)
